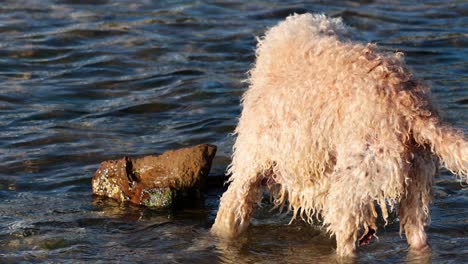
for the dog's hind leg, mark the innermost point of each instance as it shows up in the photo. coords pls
(236, 205)
(349, 205)
(340, 215)
(414, 205)
(341, 211)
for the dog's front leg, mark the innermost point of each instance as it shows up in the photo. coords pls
(236, 207)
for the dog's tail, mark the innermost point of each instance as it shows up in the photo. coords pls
(448, 143)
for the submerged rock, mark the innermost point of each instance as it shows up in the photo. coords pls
(154, 180)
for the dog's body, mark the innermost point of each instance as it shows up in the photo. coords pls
(333, 128)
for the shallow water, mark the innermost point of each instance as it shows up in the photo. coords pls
(86, 81)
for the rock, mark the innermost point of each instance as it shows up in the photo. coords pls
(154, 181)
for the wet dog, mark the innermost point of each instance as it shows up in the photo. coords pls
(338, 131)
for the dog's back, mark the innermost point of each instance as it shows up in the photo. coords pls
(315, 96)
(313, 92)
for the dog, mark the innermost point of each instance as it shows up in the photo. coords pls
(336, 131)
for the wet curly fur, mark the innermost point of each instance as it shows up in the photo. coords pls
(338, 131)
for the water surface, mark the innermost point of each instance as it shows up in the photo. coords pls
(86, 81)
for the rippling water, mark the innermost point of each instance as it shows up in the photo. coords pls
(86, 81)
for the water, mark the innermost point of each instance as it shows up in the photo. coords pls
(86, 81)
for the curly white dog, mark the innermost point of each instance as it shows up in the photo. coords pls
(336, 130)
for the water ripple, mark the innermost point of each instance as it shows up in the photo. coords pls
(86, 81)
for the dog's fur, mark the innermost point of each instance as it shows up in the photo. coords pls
(336, 130)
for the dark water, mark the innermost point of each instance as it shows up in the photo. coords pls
(86, 81)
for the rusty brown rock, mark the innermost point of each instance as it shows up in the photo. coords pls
(154, 180)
